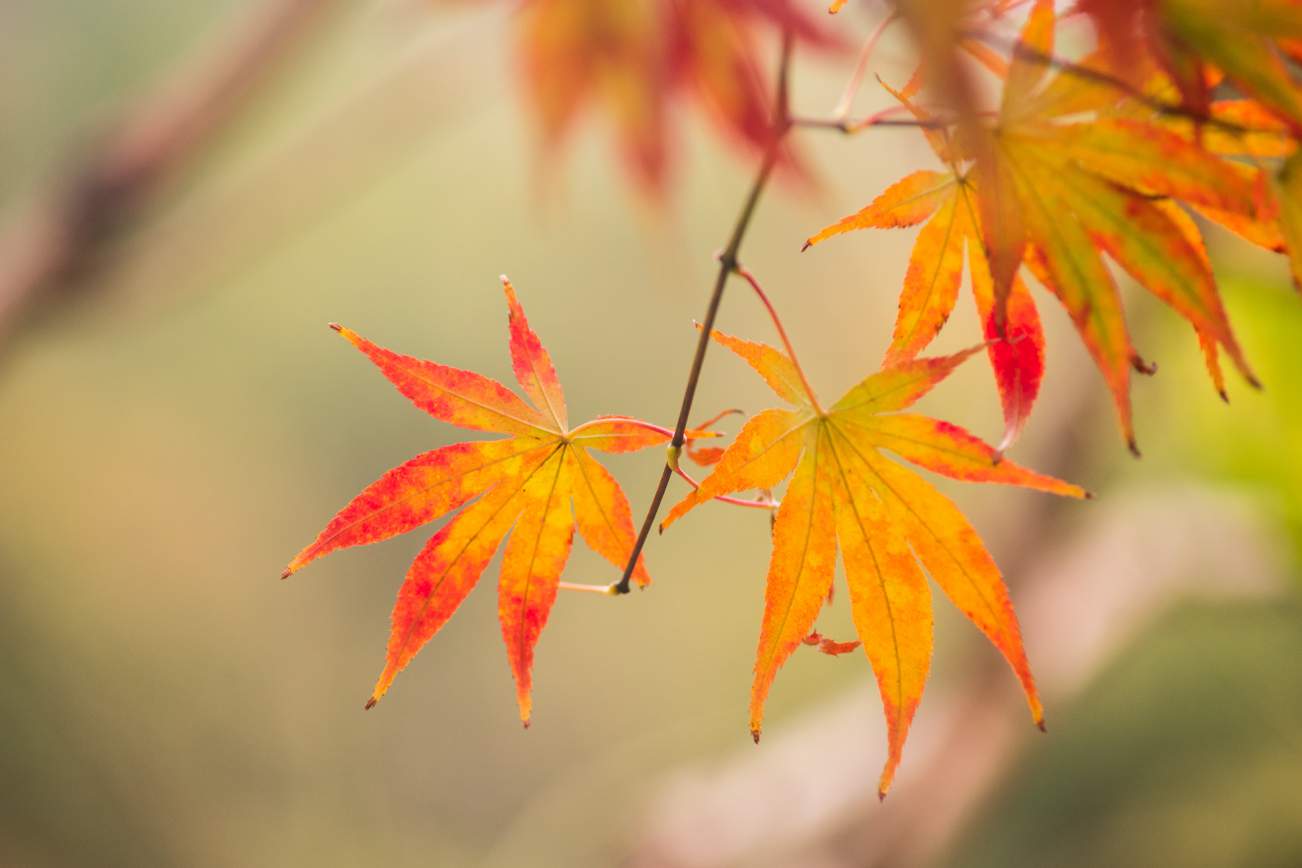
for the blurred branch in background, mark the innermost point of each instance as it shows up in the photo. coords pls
(60, 241)
(362, 134)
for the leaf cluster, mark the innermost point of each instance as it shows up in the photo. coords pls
(1185, 114)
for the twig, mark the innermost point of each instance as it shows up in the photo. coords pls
(763, 503)
(727, 263)
(782, 333)
(881, 119)
(604, 590)
(576, 435)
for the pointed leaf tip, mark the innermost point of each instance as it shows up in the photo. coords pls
(1134, 448)
(881, 795)
(348, 334)
(755, 734)
(1040, 724)
(286, 574)
(370, 703)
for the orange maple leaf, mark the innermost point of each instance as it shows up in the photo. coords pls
(526, 481)
(632, 59)
(1250, 44)
(1043, 188)
(887, 521)
(932, 280)
(573, 52)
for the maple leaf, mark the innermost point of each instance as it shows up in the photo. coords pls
(712, 50)
(947, 34)
(1229, 127)
(632, 59)
(1249, 43)
(1287, 185)
(887, 521)
(962, 42)
(526, 482)
(575, 51)
(935, 271)
(1242, 128)
(1043, 188)
(932, 281)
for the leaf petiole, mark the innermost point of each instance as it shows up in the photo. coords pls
(604, 590)
(743, 273)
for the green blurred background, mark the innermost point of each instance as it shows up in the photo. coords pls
(178, 424)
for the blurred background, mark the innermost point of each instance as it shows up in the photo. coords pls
(189, 192)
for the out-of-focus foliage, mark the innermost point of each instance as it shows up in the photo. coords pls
(1253, 444)
(635, 60)
(1185, 752)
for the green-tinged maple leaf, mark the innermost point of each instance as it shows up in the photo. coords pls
(1043, 187)
(1287, 186)
(887, 521)
(522, 485)
(1243, 128)
(1233, 127)
(1250, 43)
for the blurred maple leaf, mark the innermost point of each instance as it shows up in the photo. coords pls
(526, 481)
(1251, 43)
(633, 59)
(885, 519)
(1226, 72)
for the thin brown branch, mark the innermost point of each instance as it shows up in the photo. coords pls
(604, 590)
(763, 503)
(849, 127)
(727, 264)
(60, 239)
(750, 278)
